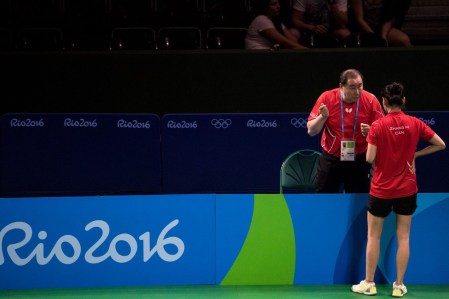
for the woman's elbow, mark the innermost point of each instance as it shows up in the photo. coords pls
(312, 132)
(370, 157)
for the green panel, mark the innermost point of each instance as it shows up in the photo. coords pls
(268, 255)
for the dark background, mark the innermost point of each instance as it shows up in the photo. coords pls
(61, 56)
(212, 81)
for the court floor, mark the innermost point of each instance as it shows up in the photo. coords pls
(240, 292)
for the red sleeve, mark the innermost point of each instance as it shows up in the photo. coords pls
(316, 108)
(377, 112)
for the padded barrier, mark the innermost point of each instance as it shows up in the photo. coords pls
(98, 154)
(228, 153)
(79, 154)
(206, 239)
(431, 169)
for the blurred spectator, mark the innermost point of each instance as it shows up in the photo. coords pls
(267, 31)
(286, 13)
(321, 23)
(382, 18)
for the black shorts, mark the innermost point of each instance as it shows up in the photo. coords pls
(381, 207)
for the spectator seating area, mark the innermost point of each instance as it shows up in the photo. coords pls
(427, 22)
(163, 24)
(122, 24)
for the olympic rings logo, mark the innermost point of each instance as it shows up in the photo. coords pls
(221, 123)
(299, 122)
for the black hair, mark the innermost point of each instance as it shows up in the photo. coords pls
(394, 94)
(261, 8)
(349, 74)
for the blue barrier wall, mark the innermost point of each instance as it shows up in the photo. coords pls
(430, 169)
(229, 153)
(324, 236)
(224, 239)
(101, 154)
(79, 154)
(107, 241)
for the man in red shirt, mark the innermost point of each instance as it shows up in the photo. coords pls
(392, 143)
(344, 114)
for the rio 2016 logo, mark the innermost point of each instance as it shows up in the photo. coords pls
(429, 122)
(182, 124)
(80, 123)
(261, 124)
(133, 124)
(61, 255)
(27, 122)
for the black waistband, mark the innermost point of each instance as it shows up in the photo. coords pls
(326, 154)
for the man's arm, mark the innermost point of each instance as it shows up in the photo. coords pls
(315, 125)
(300, 24)
(277, 38)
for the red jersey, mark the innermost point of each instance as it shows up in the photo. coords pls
(369, 110)
(396, 137)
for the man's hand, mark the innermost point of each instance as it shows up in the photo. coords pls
(365, 129)
(324, 111)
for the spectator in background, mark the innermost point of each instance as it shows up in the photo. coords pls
(321, 23)
(267, 31)
(286, 13)
(381, 19)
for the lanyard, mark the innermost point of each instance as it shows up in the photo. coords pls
(343, 117)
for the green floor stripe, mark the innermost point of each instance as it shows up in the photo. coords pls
(268, 254)
(241, 292)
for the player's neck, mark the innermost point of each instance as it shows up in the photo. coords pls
(349, 101)
(393, 109)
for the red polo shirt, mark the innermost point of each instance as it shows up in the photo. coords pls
(369, 111)
(396, 137)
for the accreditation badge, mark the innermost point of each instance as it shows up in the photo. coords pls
(347, 150)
